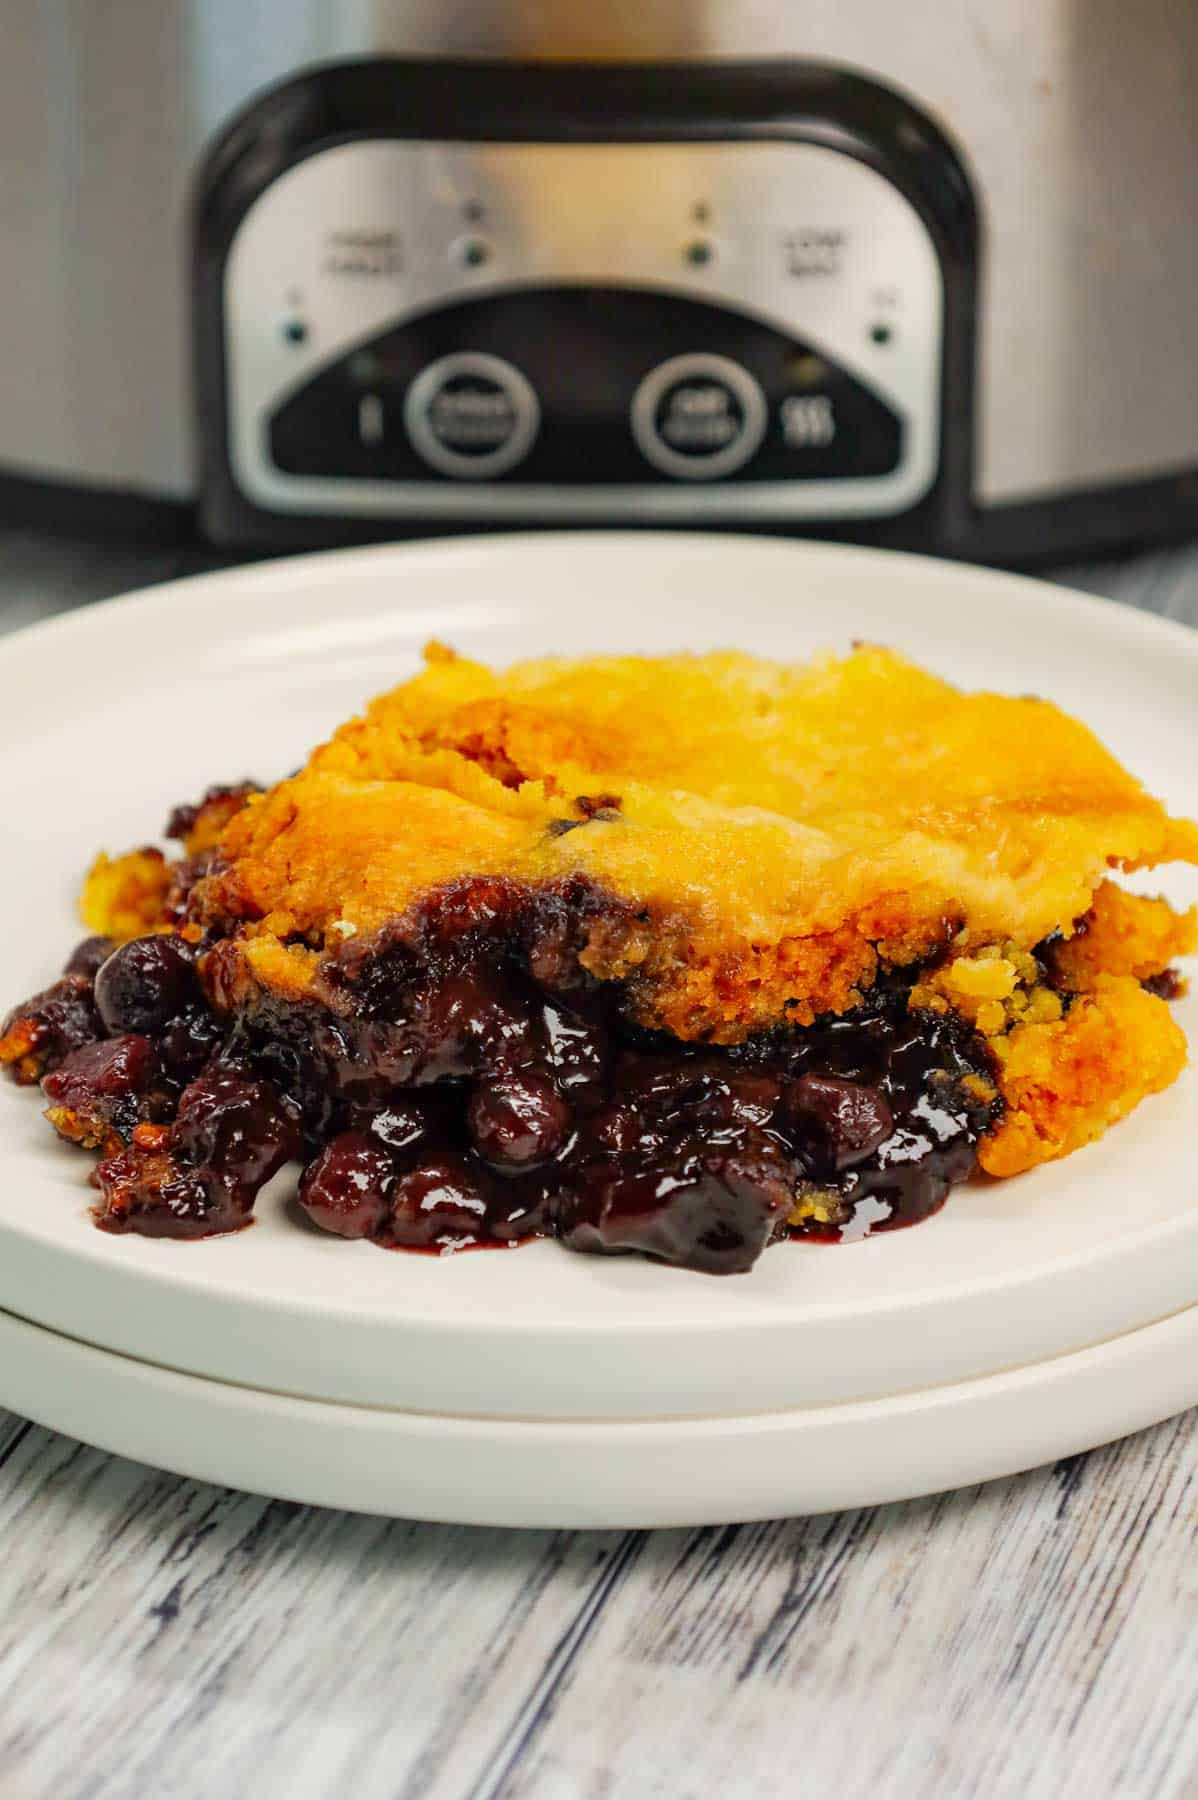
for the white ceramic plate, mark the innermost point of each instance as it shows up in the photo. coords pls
(564, 1474)
(113, 714)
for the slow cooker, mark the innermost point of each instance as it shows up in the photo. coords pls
(284, 272)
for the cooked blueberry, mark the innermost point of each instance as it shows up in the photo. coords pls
(618, 1129)
(86, 957)
(237, 1127)
(39, 1034)
(903, 1194)
(753, 1099)
(101, 1091)
(1166, 984)
(661, 1083)
(703, 1210)
(108, 1069)
(851, 1120)
(188, 1042)
(577, 1050)
(146, 983)
(359, 1054)
(345, 1189)
(475, 1021)
(186, 876)
(400, 1124)
(446, 1025)
(517, 1120)
(729, 1103)
(145, 1190)
(296, 1067)
(439, 1203)
(522, 1206)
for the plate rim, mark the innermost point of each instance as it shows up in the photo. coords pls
(1032, 589)
(629, 1474)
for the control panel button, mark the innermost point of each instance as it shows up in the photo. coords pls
(698, 417)
(472, 415)
(808, 421)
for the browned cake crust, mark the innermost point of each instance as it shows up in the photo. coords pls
(778, 834)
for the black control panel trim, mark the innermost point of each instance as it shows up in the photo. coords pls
(1109, 521)
(111, 515)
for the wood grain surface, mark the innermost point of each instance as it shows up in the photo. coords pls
(1033, 1637)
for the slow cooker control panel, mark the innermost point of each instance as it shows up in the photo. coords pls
(663, 331)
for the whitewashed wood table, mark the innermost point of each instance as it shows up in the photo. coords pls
(1034, 1637)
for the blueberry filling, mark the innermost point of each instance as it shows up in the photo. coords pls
(146, 984)
(461, 1081)
(201, 1174)
(42, 1033)
(100, 1092)
(86, 958)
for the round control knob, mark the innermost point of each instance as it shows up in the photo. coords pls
(698, 417)
(472, 415)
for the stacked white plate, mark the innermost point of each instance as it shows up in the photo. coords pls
(1028, 1320)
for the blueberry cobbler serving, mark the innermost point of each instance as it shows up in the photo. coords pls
(678, 955)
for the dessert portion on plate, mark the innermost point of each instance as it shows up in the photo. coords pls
(682, 955)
